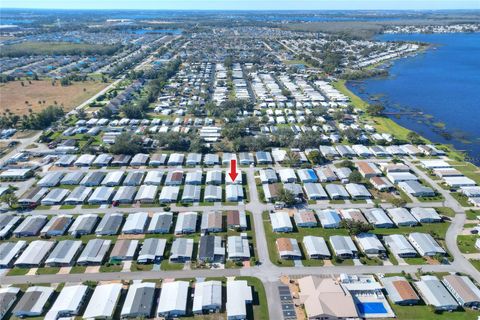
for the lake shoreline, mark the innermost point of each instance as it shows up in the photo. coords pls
(433, 125)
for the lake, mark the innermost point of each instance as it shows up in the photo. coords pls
(435, 93)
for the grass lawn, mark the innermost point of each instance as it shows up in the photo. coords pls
(425, 313)
(78, 269)
(462, 199)
(48, 270)
(466, 244)
(415, 261)
(67, 206)
(18, 271)
(111, 268)
(475, 263)
(90, 206)
(40, 94)
(445, 211)
(472, 214)
(141, 267)
(467, 169)
(167, 266)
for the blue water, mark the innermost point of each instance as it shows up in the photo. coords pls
(371, 308)
(443, 83)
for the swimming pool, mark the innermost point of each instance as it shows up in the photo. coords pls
(371, 308)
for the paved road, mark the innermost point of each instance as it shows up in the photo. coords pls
(266, 270)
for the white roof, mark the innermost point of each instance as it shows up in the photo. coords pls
(207, 293)
(173, 297)
(68, 301)
(280, 220)
(135, 221)
(35, 252)
(103, 301)
(238, 294)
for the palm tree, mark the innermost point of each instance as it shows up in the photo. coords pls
(291, 158)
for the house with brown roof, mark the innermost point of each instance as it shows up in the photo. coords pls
(288, 248)
(305, 219)
(400, 291)
(236, 220)
(368, 169)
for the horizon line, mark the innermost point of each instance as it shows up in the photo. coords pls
(243, 10)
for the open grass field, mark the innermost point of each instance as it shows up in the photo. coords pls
(40, 94)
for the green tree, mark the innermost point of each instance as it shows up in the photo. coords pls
(286, 196)
(398, 202)
(355, 227)
(355, 177)
(414, 138)
(127, 143)
(375, 110)
(316, 157)
(10, 199)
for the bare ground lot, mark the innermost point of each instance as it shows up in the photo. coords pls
(40, 94)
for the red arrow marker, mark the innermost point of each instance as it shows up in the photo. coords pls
(233, 170)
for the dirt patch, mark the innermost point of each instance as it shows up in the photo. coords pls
(38, 95)
(131, 237)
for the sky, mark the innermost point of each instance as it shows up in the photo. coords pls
(244, 5)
